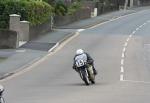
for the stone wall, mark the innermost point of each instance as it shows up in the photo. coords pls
(144, 2)
(26, 31)
(38, 30)
(79, 15)
(8, 39)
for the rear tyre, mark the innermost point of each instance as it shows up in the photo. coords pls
(91, 75)
(93, 82)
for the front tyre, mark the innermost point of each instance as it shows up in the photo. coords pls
(2, 100)
(84, 76)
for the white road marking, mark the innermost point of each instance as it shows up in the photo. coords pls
(122, 55)
(125, 44)
(124, 49)
(122, 69)
(122, 16)
(144, 23)
(80, 30)
(128, 39)
(137, 29)
(133, 33)
(122, 61)
(130, 35)
(121, 77)
(141, 26)
(99, 24)
(50, 50)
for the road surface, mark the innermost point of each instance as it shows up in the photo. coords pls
(121, 50)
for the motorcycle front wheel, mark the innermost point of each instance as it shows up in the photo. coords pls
(84, 76)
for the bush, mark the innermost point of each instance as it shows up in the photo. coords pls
(75, 6)
(34, 11)
(60, 8)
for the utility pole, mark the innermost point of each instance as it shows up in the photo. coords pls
(125, 4)
(131, 3)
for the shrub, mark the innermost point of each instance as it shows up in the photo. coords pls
(60, 8)
(75, 6)
(34, 11)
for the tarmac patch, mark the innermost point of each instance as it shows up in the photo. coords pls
(38, 46)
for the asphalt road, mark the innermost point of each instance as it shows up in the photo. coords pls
(121, 49)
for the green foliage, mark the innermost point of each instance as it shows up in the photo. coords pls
(34, 11)
(75, 6)
(46, 0)
(60, 8)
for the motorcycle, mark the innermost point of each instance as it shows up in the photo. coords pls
(2, 100)
(86, 72)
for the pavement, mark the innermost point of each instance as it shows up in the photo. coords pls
(29, 53)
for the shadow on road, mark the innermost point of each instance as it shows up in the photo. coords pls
(82, 84)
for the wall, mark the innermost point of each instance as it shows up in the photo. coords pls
(79, 15)
(38, 30)
(8, 39)
(145, 2)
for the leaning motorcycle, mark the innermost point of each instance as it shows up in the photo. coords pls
(2, 100)
(85, 71)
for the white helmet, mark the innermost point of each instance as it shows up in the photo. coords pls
(79, 51)
(1, 88)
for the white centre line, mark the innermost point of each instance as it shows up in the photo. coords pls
(124, 49)
(144, 24)
(122, 55)
(130, 35)
(125, 44)
(121, 77)
(122, 61)
(133, 33)
(128, 39)
(122, 69)
(137, 29)
(140, 26)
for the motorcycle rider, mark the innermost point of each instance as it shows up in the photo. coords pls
(81, 54)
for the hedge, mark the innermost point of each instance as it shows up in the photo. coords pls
(36, 12)
(62, 9)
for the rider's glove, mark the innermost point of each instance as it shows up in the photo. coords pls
(74, 67)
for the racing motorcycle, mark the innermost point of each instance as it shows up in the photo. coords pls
(2, 100)
(85, 71)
